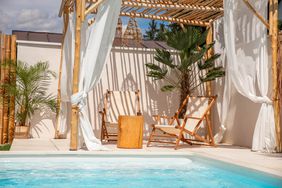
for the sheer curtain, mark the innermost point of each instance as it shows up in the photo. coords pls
(223, 85)
(249, 65)
(95, 47)
(66, 76)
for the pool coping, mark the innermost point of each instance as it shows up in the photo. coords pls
(244, 164)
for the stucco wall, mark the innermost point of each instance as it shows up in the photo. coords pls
(125, 70)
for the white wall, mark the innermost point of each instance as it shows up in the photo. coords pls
(125, 70)
(31, 53)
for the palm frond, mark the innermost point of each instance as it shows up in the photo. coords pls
(30, 89)
(168, 88)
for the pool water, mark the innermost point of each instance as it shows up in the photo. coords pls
(123, 172)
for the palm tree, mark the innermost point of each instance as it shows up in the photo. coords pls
(152, 31)
(160, 36)
(30, 90)
(191, 45)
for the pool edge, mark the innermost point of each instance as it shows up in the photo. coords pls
(137, 154)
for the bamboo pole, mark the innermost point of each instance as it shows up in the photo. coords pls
(166, 5)
(165, 18)
(74, 117)
(92, 7)
(2, 81)
(270, 16)
(66, 21)
(210, 53)
(5, 97)
(12, 98)
(275, 91)
(83, 10)
(260, 17)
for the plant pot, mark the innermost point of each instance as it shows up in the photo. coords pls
(22, 132)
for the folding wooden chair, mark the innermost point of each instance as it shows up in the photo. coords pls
(117, 103)
(188, 129)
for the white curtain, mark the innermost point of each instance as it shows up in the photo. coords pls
(66, 77)
(249, 65)
(98, 39)
(222, 85)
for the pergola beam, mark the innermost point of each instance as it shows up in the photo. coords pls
(167, 5)
(93, 7)
(260, 17)
(62, 7)
(164, 18)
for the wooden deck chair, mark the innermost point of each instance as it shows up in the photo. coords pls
(188, 130)
(117, 103)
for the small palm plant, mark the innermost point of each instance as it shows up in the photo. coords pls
(191, 46)
(30, 90)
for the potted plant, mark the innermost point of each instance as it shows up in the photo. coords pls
(193, 68)
(30, 91)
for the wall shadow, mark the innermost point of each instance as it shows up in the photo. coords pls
(125, 70)
(43, 124)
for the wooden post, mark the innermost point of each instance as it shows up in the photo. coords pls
(2, 81)
(210, 52)
(270, 14)
(66, 21)
(275, 90)
(74, 117)
(12, 98)
(5, 97)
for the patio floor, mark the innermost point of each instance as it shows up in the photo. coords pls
(271, 163)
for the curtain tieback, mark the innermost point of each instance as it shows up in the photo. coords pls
(79, 99)
(265, 100)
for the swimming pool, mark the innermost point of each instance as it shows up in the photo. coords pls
(128, 171)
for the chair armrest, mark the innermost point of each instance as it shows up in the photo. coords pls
(103, 115)
(103, 111)
(158, 118)
(191, 117)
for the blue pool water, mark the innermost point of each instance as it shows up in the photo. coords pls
(123, 172)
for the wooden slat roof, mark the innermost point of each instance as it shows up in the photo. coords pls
(191, 12)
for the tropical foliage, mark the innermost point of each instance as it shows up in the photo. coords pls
(152, 31)
(30, 90)
(155, 31)
(193, 69)
(280, 24)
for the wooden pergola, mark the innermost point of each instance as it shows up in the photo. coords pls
(189, 12)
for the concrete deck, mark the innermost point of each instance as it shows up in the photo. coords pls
(266, 162)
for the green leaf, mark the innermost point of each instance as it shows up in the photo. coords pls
(209, 62)
(164, 57)
(153, 66)
(212, 74)
(157, 75)
(167, 88)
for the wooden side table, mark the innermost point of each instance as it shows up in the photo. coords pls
(130, 132)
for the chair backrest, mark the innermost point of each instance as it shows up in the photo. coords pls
(197, 108)
(121, 103)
